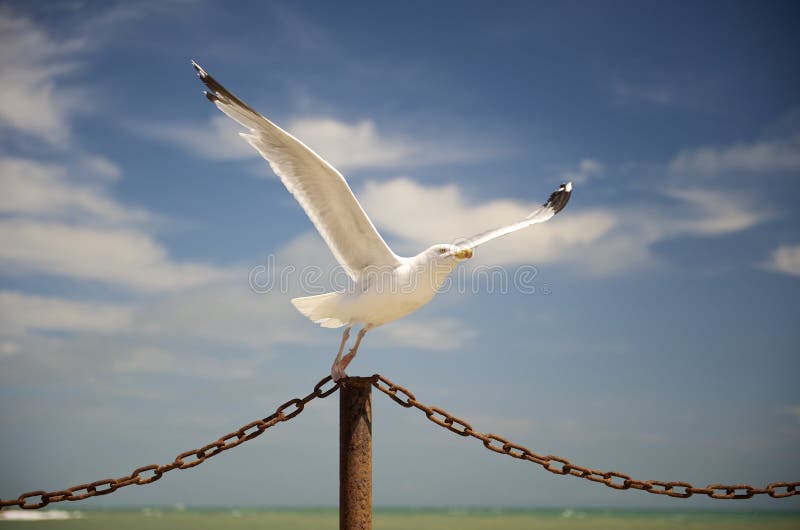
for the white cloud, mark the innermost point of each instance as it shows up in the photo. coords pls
(717, 213)
(218, 139)
(57, 225)
(353, 146)
(21, 313)
(347, 146)
(226, 313)
(60, 219)
(586, 169)
(438, 334)
(101, 166)
(785, 259)
(30, 63)
(219, 331)
(780, 154)
(425, 215)
(54, 222)
(626, 91)
(122, 257)
(34, 188)
(151, 360)
(598, 241)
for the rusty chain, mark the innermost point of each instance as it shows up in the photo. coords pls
(185, 460)
(562, 466)
(554, 464)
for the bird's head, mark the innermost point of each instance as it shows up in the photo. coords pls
(438, 261)
(449, 252)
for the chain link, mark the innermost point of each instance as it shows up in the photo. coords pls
(555, 464)
(33, 500)
(561, 466)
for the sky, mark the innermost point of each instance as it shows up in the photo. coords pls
(646, 329)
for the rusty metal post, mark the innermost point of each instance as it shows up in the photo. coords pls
(355, 453)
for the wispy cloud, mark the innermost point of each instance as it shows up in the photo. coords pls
(777, 154)
(31, 64)
(228, 313)
(34, 188)
(121, 257)
(586, 169)
(629, 92)
(100, 166)
(717, 212)
(55, 225)
(60, 218)
(23, 313)
(439, 334)
(217, 139)
(152, 360)
(785, 259)
(346, 145)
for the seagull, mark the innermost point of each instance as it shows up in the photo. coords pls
(385, 286)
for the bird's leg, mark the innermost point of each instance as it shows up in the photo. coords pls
(337, 370)
(352, 353)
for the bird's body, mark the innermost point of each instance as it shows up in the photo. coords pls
(381, 294)
(385, 286)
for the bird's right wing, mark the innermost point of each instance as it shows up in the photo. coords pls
(558, 199)
(319, 188)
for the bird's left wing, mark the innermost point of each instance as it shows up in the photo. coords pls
(558, 199)
(319, 188)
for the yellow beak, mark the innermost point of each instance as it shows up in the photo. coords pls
(464, 253)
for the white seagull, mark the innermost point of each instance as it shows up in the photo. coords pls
(385, 286)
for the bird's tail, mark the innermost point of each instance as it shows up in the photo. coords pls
(319, 308)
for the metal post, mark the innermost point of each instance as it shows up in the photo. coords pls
(355, 453)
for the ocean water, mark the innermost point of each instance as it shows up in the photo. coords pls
(396, 519)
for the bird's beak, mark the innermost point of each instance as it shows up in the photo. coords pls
(464, 253)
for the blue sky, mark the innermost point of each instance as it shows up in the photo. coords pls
(660, 338)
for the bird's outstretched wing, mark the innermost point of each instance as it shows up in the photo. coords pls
(319, 188)
(558, 199)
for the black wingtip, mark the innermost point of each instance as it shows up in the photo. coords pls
(217, 93)
(559, 198)
(215, 90)
(202, 73)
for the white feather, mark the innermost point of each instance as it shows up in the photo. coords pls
(319, 188)
(558, 199)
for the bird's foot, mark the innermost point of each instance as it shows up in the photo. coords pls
(341, 362)
(348, 357)
(337, 372)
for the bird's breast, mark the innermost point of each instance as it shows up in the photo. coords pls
(390, 298)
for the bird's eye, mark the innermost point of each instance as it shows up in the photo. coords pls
(442, 250)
